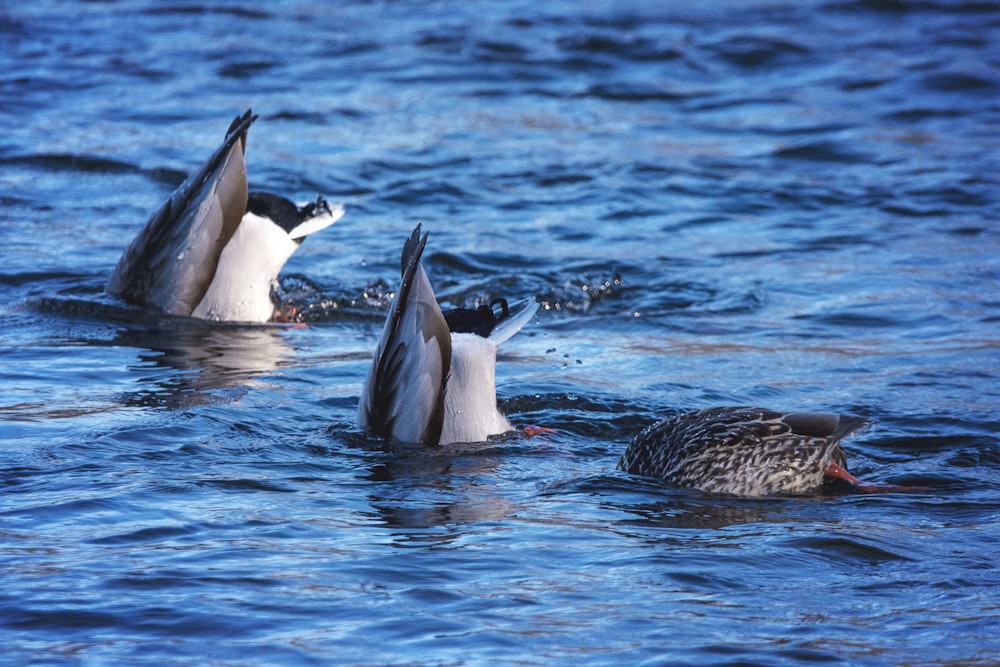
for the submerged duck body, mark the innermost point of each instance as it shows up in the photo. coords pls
(433, 378)
(744, 451)
(213, 250)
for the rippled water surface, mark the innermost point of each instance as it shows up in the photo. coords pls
(792, 205)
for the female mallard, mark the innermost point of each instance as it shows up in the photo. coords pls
(433, 378)
(214, 250)
(745, 451)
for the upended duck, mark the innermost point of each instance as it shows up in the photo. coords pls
(433, 378)
(747, 451)
(214, 249)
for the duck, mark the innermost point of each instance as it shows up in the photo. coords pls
(214, 249)
(433, 377)
(747, 451)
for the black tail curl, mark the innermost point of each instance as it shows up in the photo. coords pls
(480, 321)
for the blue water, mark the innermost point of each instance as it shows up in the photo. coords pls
(787, 204)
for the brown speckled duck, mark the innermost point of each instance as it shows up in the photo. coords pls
(746, 451)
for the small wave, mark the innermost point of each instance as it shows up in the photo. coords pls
(146, 535)
(315, 303)
(198, 8)
(752, 51)
(823, 151)
(246, 484)
(71, 162)
(247, 69)
(908, 7)
(639, 49)
(595, 416)
(425, 192)
(636, 92)
(846, 549)
(490, 50)
(96, 308)
(376, 169)
(583, 291)
(92, 164)
(62, 279)
(952, 82)
(919, 114)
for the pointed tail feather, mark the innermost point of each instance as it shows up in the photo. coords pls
(520, 315)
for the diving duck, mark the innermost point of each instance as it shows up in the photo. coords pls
(433, 378)
(213, 250)
(746, 451)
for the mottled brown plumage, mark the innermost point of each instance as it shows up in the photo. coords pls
(741, 450)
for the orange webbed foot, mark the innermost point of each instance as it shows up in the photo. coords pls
(290, 315)
(532, 431)
(837, 472)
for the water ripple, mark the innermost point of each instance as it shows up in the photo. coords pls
(715, 203)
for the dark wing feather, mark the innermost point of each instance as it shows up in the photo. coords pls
(823, 424)
(403, 397)
(172, 261)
